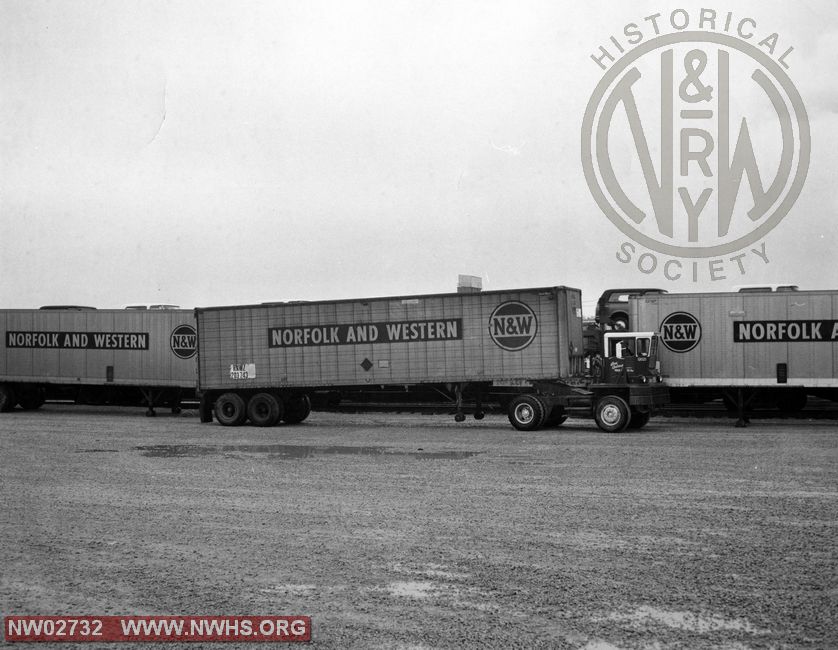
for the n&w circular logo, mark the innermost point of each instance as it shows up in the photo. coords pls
(513, 326)
(680, 332)
(695, 142)
(184, 341)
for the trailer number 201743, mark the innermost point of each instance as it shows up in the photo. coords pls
(243, 371)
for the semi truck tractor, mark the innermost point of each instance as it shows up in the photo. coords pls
(747, 348)
(522, 349)
(97, 356)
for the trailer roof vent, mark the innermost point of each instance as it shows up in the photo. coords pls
(469, 284)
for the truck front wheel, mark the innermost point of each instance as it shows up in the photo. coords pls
(612, 414)
(264, 410)
(230, 410)
(526, 413)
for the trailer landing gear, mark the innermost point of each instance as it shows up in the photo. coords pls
(739, 403)
(459, 413)
(154, 397)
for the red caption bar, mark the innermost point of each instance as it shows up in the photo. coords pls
(37, 629)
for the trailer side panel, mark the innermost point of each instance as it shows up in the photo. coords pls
(745, 339)
(98, 347)
(487, 336)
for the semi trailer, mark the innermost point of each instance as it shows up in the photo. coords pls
(522, 349)
(97, 356)
(746, 348)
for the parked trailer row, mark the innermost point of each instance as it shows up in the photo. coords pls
(523, 348)
(264, 363)
(97, 356)
(746, 347)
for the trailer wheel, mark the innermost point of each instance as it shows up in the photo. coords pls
(638, 419)
(526, 413)
(230, 410)
(612, 414)
(264, 410)
(297, 409)
(32, 399)
(791, 400)
(556, 418)
(7, 398)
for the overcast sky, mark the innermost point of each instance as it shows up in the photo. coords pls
(202, 152)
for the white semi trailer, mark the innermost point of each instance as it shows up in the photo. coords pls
(521, 347)
(745, 347)
(97, 356)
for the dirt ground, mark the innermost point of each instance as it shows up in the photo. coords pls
(412, 531)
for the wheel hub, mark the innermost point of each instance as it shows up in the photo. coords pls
(524, 413)
(610, 415)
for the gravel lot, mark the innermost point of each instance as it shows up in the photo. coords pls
(409, 531)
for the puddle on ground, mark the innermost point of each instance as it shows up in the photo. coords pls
(96, 451)
(283, 452)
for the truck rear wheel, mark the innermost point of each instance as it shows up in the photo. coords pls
(297, 409)
(526, 413)
(612, 414)
(7, 398)
(230, 410)
(264, 410)
(556, 418)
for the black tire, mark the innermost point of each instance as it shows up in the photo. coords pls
(619, 322)
(8, 399)
(297, 409)
(612, 414)
(32, 399)
(230, 410)
(791, 400)
(264, 410)
(556, 418)
(639, 419)
(526, 413)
